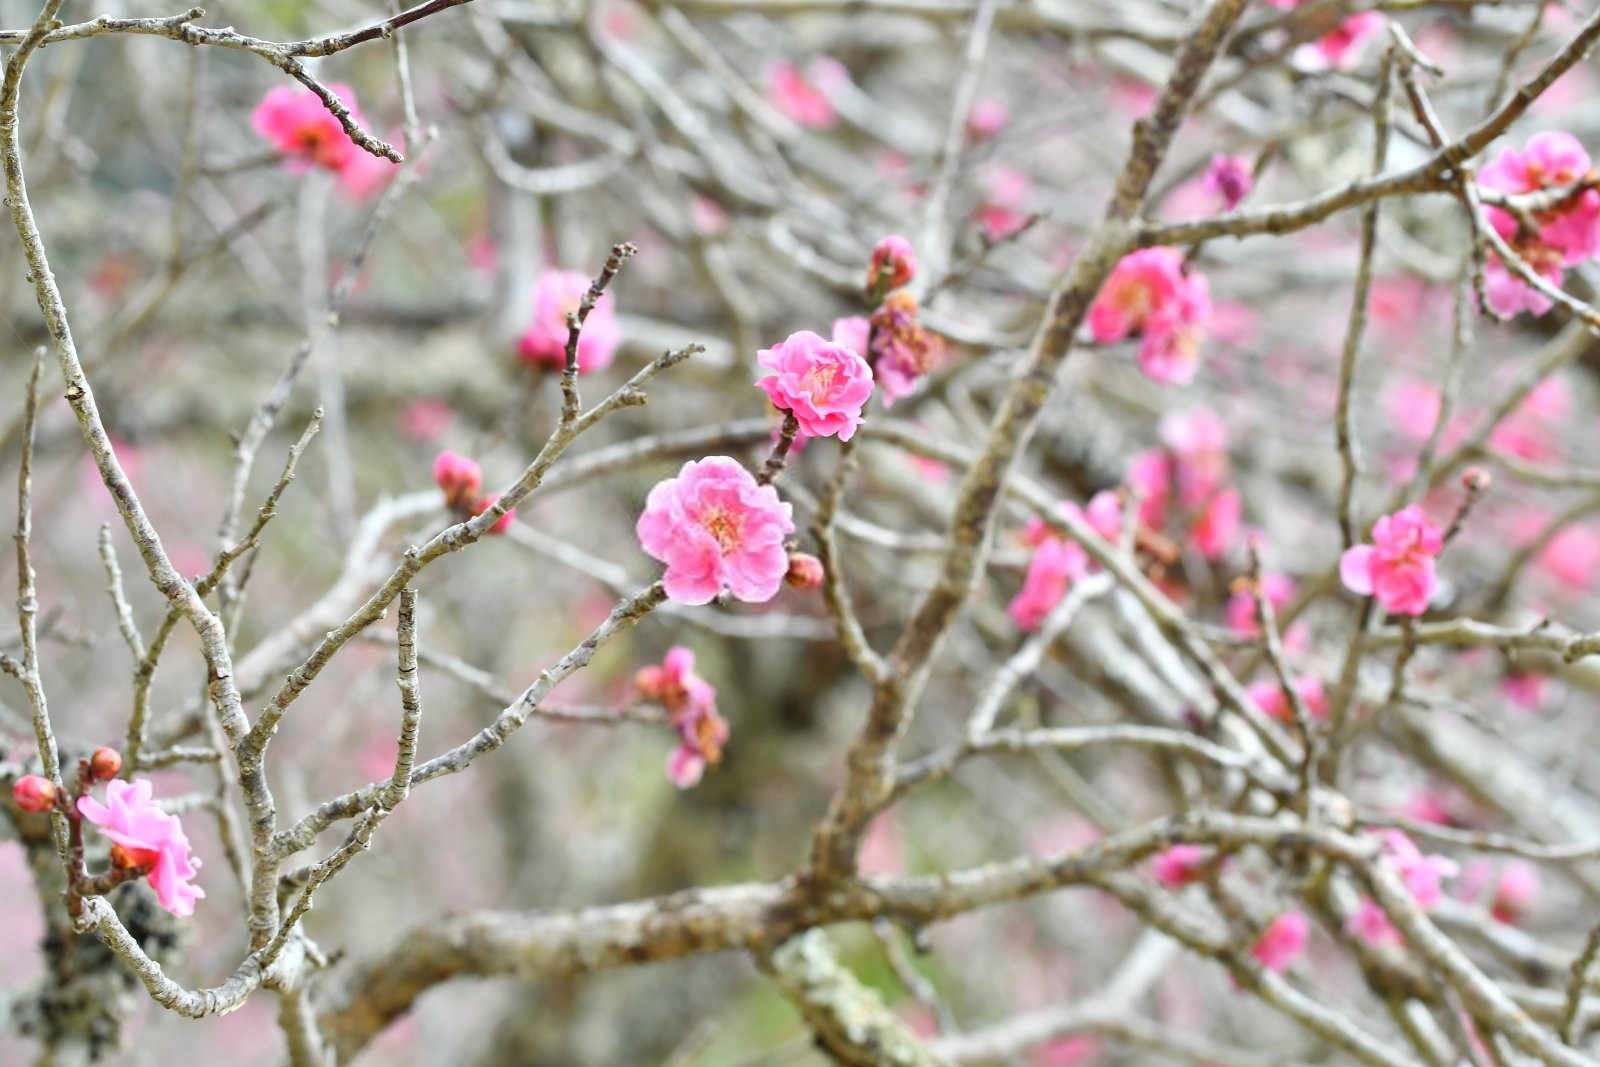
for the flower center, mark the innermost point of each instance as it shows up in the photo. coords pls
(820, 382)
(724, 527)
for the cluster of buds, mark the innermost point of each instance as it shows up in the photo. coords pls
(691, 704)
(34, 793)
(461, 479)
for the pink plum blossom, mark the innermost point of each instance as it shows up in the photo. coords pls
(1216, 524)
(297, 123)
(1056, 563)
(1398, 568)
(557, 293)
(987, 118)
(1198, 441)
(1573, 556)
(1181, 865)
(1371, 924)
(823, 384)
(1228, 178)
(1270, 698)
(715, 528)
(1283, 940)
(503, 523)
(425, 418)
(1148, 293)
(1515, 891)
(1341, 47)
(147, 837)
(1566, 235)
(1524, 689)
(1004, 208)
(1240, 612)
(798, 97)
(1149, 476)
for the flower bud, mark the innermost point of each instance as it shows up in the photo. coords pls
(805, 571)
(458, 476)
(1476, 479)
(503, 523)
(104, 764)
(893, 264)
(34, 793)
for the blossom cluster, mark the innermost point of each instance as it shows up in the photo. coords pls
(1561, 236)
(691, 704)
(1150, 294)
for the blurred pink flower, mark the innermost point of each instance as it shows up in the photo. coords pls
(1515, 891)
(1270, 698)
(1573, 556)
(147, 836)
(987, 118)
(1398, 568)
(1068, 1050)
(823, 384)
(1229, 179)
(1413, 408)
(1524, 689)
(1216, 524)
(503, 523)
(1341, 47)
(425, 418)
(715, 528)
(1004, 207)
(1181, 865)
(1240, 612)
(792, 93)
(1371, 924)
(294, 119)
(708, 217)
(1149, 476)
(1282, 941)
(557, 293)
(1198, 441)
(1055, 565)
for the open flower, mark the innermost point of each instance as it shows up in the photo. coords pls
(1148, 294)
(557, 293)
(300, 126)
(802, 98)
(823, 384)
(1283, 940)
(146, 836)
(1563, 236)
(1240, 612)
(1398, 568)
(716, 529)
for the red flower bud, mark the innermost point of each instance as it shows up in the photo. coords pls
(1475, 479)
(805, 571)
(104, 764)
(34, 793)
